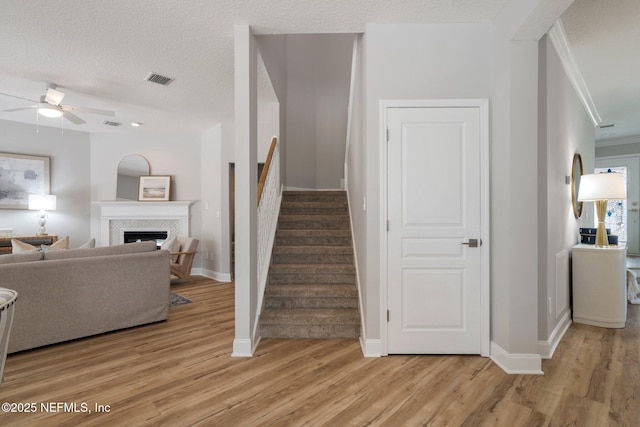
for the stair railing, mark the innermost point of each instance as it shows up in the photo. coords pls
(269, 197)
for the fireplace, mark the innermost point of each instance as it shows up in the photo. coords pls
(119, 217)
(137, 236)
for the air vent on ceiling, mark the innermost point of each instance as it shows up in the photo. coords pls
(158, 78)
(607, 126)
(110, 123)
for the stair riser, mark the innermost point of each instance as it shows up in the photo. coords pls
(312, 259)
(303, 210)
(306, 302)
(311, 291)
(312, 241)
(314, 197)
(313, 225)
(310, 331)
(284, 278)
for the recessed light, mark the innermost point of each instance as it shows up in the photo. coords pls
(136, 124)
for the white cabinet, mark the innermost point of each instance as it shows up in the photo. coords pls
(599, 285)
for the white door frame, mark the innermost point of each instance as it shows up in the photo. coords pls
(483, 106)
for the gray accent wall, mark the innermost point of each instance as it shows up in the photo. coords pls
(69, 154)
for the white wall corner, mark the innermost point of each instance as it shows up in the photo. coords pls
(548, 347)
(371, 348)
(242, 348)
(560, 42)
(530, 364)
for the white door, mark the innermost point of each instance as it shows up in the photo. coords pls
(625, 214)
(434, 211)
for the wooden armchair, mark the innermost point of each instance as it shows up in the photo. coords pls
(182, 261)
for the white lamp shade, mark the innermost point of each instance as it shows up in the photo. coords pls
(42, 202)
(600, 186)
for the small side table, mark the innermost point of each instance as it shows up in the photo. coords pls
(599, 285)
(35, 240)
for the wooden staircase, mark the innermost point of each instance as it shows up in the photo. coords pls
(311, 289)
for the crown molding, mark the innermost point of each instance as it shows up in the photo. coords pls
(560, 42)
(617, 141)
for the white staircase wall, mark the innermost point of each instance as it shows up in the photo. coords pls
(318, 78)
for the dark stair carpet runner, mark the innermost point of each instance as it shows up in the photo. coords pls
(311, 290)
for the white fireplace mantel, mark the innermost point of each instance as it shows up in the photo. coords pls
(119, 216)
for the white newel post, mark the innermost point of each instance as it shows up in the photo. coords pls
(116, 217)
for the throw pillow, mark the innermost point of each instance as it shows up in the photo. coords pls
(90, 244)
(18, 247)
(172, 245)
(58, 245)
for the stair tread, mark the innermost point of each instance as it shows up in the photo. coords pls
(306, 249)
(327, 316)
(309, 233)
(315, 290)
(314, 193)
(313, 217)
(312, 268)
(322, 203)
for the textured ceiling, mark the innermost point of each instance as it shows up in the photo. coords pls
(604, 36)
(99, 51)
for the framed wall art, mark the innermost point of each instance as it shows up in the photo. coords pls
(21, 175)
(154, 188)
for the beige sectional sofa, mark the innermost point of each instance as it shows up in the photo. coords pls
(75, 293)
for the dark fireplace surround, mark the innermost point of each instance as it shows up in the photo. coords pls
(137, 236)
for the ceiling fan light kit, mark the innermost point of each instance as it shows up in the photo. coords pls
(48, 110)
(49, 106)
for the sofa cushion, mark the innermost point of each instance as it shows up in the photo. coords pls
(22, 257)
(91, 243)
(18, 246)
(56, 246)
(127, 248)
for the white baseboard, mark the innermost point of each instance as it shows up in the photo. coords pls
(242, 348)
(220, 277)
(546, 348)
(371, 348)
(516, 363)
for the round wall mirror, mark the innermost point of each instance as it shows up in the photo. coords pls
(576, 173)
(130, 169)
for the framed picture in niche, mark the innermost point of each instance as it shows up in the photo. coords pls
(154, 188)
(21, 175)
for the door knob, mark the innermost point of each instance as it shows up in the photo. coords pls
(473, 243)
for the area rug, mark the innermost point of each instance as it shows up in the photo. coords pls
(175, 299)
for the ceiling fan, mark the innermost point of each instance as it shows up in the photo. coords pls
(49, 106)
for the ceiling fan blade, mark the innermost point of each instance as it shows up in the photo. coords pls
(21, 108)
(88, 110)
(18, 97)
(53, 96)
(72, 118)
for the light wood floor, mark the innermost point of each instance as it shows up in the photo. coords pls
(181, 373)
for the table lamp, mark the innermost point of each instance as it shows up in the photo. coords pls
(599, 188)
(42, 203)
